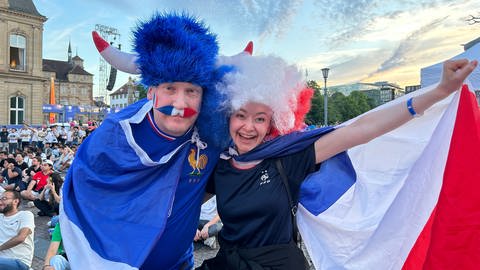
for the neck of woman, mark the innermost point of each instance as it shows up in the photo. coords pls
(245, 165)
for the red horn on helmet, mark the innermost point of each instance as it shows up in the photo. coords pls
(249, 48)
(122, 61)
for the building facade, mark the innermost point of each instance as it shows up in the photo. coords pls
(22, 82)
(379, 92)
(124, 96)
(25, 76)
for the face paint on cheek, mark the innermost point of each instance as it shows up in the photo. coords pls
(155, 102)
(170, 110)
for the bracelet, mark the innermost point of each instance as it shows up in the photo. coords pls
(410, 108)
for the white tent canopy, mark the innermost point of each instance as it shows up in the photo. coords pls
(431, 74)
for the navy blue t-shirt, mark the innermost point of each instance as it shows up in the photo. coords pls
(253, 203)
(183, 218)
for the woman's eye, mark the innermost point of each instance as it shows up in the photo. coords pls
(260, 120)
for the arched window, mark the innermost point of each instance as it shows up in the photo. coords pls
(18, 45)
(17, 110)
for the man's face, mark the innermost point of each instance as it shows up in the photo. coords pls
(180, 95)
(46, 168)
(7, 203)
(19, 158)
(35, 162)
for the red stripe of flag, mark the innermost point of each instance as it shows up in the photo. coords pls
(451, 238)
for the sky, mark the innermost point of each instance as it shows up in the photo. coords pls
(359, 40)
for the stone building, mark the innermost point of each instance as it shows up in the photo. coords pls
(125, 95)
(25, 75)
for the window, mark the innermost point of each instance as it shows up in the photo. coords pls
(17, 109)
(18, 45)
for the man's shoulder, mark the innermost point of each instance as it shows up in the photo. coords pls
(25, 213)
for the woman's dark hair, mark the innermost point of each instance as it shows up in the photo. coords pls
(57, 181)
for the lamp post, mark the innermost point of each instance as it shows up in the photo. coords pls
(325, 97)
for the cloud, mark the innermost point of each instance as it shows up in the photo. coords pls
(403, 53)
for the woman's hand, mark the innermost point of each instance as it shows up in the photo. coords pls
(454, 73)
(204, 232)
(197, 236)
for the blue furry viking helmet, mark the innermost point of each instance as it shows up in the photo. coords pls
(169, 48)
(176, 48)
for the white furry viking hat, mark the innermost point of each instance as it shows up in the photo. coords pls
(271, 81)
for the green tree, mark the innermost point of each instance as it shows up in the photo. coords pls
(315, 115)
(340, 107)
(142, 91)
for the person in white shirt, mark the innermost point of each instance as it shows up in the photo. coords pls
(16, 233)
(50, 137)
(25, 135)
(12, 141)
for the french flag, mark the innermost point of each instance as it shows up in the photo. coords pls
(409, 199)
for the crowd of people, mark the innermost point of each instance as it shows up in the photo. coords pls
(33, 164)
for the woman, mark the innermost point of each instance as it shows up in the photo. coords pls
(252, 201)
(49, 199)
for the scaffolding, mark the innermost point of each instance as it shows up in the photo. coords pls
(112, 36)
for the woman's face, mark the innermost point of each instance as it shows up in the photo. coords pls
(249, 126)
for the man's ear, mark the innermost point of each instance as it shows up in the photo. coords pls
(150, 92)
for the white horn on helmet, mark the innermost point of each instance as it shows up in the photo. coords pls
(122, 61)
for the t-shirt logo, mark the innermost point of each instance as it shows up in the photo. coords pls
(264, 178)
(197, 162)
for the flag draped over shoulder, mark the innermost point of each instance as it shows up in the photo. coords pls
(414, 203)
(408, 199)
(109, 219)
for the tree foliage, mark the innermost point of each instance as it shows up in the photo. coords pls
(142, 91)
(340, 107)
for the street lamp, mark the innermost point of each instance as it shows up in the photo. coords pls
(325, 111)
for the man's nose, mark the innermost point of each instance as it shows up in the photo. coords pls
(179, 101)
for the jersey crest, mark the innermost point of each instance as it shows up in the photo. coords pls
(197, 162)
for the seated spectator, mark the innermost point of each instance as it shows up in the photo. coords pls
(49, 199)
(12, 176)
(16, 242)
(209, 224)
(56, 259)
(47, 150)
(29, 157)
(21, 162)
(27, 174)
(3, 156)
(50, 137)
(65, 159)
(38, 182)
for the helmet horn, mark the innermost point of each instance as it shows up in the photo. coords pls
(122, 61)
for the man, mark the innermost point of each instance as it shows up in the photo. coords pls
(12, 141)
(38, 182)
(12, 176)
(16, 233)
(32, 170)
(25, 136)
(4, 139)
(142, 173)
